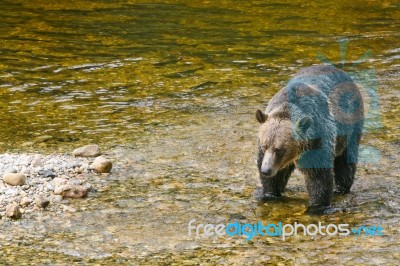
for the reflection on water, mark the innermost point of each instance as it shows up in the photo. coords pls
(107, 71)
(172, 88)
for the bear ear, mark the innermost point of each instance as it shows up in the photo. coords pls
(303, 124)
(261, 117)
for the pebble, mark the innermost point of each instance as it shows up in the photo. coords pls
(59, 181)
(101, 165)
(69, 208)
(37, 161)
(87, 151)
(14, 179)
(49, 186)
(36, 177)
(57, 198)
(71, 191)
(25, 201)
(13, 211)
(49, 173)
(42, 202)
(43, 138)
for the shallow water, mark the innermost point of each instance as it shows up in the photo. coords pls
(171, 89)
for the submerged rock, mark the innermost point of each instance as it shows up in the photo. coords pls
(71, 191)
(102, 165)
(87, 151)
(43, 138)
(14, 179)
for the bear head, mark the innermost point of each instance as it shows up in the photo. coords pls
(277, 144)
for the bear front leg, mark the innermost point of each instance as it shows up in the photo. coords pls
(346, 165)
(344, 174)
(273, 186)
(319, 182)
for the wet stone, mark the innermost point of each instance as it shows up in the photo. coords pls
(45, 177)
(102, 165)
(87, 151)
(71, 191)
(25, 201)
(42, 202)
(13, 211)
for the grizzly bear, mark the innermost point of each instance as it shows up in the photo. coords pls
(314, 124)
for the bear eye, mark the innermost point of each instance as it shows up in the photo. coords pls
(279, 150)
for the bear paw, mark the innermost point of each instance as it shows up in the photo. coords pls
(341, 191)
(270, 196)
(318, 210)
(260, 195)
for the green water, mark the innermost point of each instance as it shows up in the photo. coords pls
(170, 88)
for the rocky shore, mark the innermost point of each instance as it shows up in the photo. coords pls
(32, 182)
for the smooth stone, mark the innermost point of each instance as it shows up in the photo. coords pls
(37, 161)
(42, 202)
(14, 179)
(101, 165)
(57, 198)
(12, 211)
(49, 173)
(58, 181)
(71, 191)
(25, 201)
(87, 151)
(43, 138)
(49, 186)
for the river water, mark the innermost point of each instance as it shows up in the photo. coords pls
(170, 89)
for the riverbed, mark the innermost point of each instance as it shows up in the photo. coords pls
(170, 90)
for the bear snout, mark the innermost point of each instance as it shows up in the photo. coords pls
(267, 168)
(267, 172)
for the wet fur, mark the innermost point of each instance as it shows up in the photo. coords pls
(320, 182)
